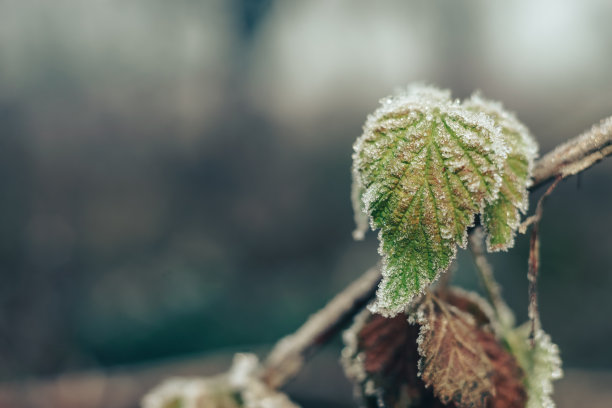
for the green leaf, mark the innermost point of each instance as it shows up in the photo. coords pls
(423, 168)
(502, 217)
(541, 363)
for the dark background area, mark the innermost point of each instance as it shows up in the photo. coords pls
(174, 176)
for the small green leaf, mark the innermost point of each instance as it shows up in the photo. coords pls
(423, 168)
(501, 217)
(541, 363)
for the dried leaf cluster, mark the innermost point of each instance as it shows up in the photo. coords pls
(445, 352)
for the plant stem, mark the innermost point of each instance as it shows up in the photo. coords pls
(485, 273)
(289, 354)
(575, 155)
(534, 261)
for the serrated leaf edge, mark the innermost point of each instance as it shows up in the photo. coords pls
(424, 100)
(530, 150)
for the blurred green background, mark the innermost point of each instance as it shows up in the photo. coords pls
(174, 176)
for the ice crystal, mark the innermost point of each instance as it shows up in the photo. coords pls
(502, 217)
(541, 363)
(546, 368)
(424, 166)
(352, 358)
(452, 359)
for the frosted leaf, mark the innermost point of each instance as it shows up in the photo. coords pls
(361, 217)
(424, 166)
(502, 217)
(380, 357)
(240, 387)
(453, 360)
(472, 303)
(541, 363)
(459, 326)
(463, 362)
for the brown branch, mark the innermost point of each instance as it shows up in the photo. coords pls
(289, 354)
(575, 155)
(534, 261)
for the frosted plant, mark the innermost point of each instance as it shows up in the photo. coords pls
(544, 367)
(448, 353)
(424, 167)
(540, 361)
(240, 387)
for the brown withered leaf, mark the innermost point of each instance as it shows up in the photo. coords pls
(508, 377)
(453, 362)
(381, 357)
(507, 374)
(461, 358)
(469, 302)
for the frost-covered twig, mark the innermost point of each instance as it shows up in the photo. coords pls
(287, 357)
(240, 387)
(575, 155)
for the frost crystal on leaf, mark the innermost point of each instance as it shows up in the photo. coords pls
(541, 363)
(501, 217)
(381, 357)
(462, 361)
(453, 359)
(423, 168)
(546, 367)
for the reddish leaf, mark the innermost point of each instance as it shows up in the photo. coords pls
(453, 361)
(381, 357)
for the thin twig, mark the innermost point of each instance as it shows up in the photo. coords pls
(575, 155)
(485, 273)
(289, 354)
(534, 262)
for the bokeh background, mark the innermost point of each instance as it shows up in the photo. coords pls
(174, 176)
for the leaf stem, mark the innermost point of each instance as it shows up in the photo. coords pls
(288, 355)
(487, 279)
(534, 261)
